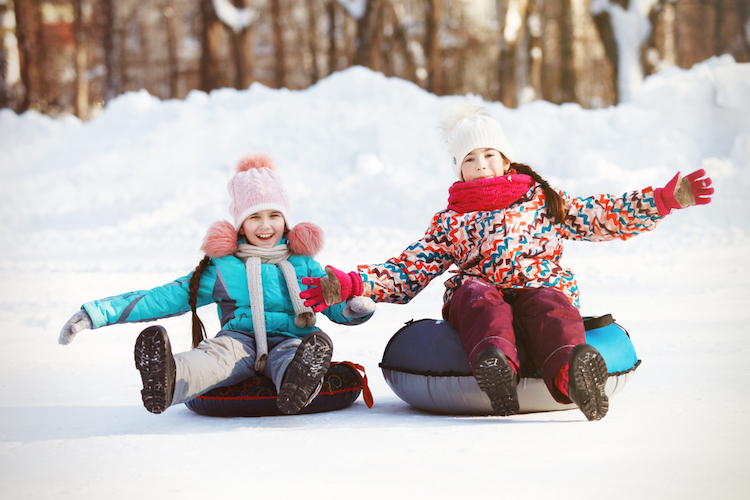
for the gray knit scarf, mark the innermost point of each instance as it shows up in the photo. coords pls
(253, 257)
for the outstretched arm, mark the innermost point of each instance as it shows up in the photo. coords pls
(606, 217)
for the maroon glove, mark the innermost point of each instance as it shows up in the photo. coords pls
(683, 192)
(336, 288)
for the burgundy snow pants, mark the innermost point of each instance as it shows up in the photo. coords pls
(549, 324)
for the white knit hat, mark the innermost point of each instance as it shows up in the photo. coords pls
(256, 187)
(466, 127)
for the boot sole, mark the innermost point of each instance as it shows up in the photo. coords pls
(305, 373)
(497, 379)
(152, 355)
(588, 376)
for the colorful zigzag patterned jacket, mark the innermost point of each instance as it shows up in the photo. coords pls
(512, 248)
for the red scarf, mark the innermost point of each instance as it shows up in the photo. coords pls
(494, 193)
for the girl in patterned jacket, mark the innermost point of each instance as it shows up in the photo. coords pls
(252, 271)
(503, 230)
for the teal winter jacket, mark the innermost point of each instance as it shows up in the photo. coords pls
(224, 282)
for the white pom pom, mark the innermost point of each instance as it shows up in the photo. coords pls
(459, 111)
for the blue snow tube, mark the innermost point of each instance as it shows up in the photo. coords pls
(256, 396)
(426, 366)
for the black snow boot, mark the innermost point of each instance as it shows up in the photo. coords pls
(153, 358)
(498, 380)
(587, 376)
(304, 375)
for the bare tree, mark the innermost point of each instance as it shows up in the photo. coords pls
(312, 17)
(24, 52)
(711, 28)
(169, 14)
(113, 82)
(278, 43)
(5, 91)
(433, 66)
(240, 37)
(567, 62)
(558, 48)
(210, 37)
(603, 22)
(534, 25)
(740, 44)
(512, 35)
(396, 44)
(558, 67)
(82, 80)
(365, 44)
(333, 56)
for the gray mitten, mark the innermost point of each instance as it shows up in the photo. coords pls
(358, 307)
(79, 321)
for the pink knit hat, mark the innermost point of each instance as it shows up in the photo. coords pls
(255, 187)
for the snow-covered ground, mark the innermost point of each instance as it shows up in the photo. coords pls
(122, 203)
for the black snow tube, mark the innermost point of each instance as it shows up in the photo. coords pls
(426, 366)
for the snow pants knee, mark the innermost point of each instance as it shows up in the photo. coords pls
(227, 359)
(548, 324)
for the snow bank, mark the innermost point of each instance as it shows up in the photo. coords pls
(123, 202)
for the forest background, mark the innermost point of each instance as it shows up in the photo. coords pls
(62, 57)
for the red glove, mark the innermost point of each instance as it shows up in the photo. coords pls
(336, 288)
(683, 192)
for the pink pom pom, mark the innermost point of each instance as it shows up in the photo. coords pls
(220, 240)
(258, 160)
(305, 239)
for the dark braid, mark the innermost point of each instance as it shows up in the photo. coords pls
(199, 331)
(554, 200)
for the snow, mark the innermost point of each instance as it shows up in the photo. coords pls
(355, 8)
(631, 28)
(121, 203)
(237, 19)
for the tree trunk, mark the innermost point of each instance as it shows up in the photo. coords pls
(82, 81)
(378, 61)
(5, 87)
(743, 37)
(111, 56)
(534, 20)
(365, 43)
(41, 77)
(567, 60)
(24, 53)
(603, 24)
(209, 64)
(433, 18)
(312, 17)
(402, 39)
(169, 14)
(332, 49)
(729, 36)
(695, 44)
(240, 52)
(278, 43)
(508, 65)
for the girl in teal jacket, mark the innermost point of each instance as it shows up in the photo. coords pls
(255, 265)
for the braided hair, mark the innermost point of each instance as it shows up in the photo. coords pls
(554, 200)
(199, 331)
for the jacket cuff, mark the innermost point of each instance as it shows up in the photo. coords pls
(660, 205)
(97, 319)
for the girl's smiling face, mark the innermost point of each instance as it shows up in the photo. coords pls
(483, 163)
(264, 229)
